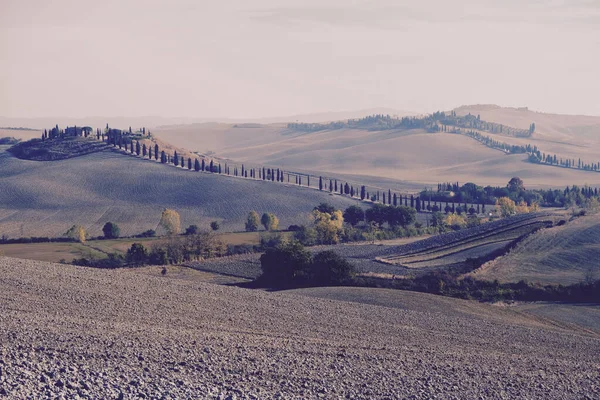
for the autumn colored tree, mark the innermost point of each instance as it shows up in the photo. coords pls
(170, 221)
(252, 222)
(506, 207)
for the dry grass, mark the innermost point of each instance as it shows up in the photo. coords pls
(561, 255)
(407, 157)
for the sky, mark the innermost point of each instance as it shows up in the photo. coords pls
(267, 58)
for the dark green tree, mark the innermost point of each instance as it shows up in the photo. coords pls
(354, 215)
(111, 231)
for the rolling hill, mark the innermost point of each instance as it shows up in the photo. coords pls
(46, 198)
(564, 254)
(410, 157)
(69, 331)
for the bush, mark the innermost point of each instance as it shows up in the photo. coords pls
(137, 254)
(306, 236)
(285, 266)
(147, 234)
(252, 222)
(329, 268)
(191, 230)
(270, 240)
(215, 226)
(111, 231)
(291, 265)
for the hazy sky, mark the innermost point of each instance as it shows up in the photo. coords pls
(274, 57)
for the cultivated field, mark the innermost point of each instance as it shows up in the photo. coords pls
(478, 242)
(561, 255)
(46, 198)
(67, 331)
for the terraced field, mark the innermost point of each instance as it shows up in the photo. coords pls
(565, 254)
(459, 246)
(46, 198)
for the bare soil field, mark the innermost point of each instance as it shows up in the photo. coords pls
(47, 198)
(565, 254)
(67, 331)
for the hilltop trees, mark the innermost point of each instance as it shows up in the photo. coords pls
(328, 226)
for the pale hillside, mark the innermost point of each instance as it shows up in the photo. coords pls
(560, 255)
(46, 198)
(69, 332)
(413, 156)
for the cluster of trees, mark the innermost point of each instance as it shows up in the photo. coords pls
(69, 131)
(268, 220)
(291, 265)
(453, 123)
(515, 190)
(436, 122)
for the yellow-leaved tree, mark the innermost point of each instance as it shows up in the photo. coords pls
(506, 206)
(328, 226)
(77, 232)
(455, 221)
(522, 208)
(170, 221)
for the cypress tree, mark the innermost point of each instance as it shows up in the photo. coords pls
(336, 185)
(352, 191)
(320, 183)
(383, 197)
(330, 185)
(418, 204)
(362, 192)
(156, 152)
(163, 157)
(263, 174)
(395, 200)
(203, 165)
(137, 148)
(219, 168)
(308, 180)
(412, 201)
(212, 165)
(131, 147)
(389, 196)
(197, 165)
(242, 170)
(144, 151)
(175, 159)
(189, 163)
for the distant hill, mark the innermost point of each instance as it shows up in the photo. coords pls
(413, 156)
(46, 198)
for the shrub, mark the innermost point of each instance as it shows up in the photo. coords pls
(192, 230)
(137, 254)
(146, 234)
(270, 240)
(215, 226)
(286, 265)
(329, 268)
(306, 236)
(111, 231)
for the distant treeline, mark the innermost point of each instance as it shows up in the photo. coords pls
(515, 190)
(436, 122)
